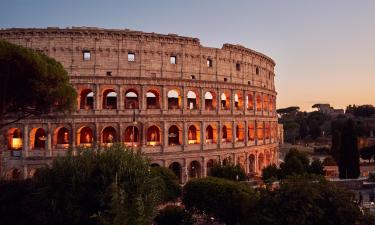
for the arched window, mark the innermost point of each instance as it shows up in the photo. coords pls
(250, 102)
(226, 134)
(153, 136)
(86, 99)
(38, 138)
(209, 101)
(265, 102)
(62, 138)
(131, 136)
(153, 100)
(252, 164)
(210, 135)
(109, 136)
(174, 135)
(85, 137)
(14, 137)
(271, 104)
(260, 162)
(251, 131)
(174, 100)
(192, 100)
(240, 132)
(260, 132)
(176, 168)
(238, 101)
(131, 99)
(109, 99)
(259, 103)
(195, 169)
(192, 135)
(268, 130)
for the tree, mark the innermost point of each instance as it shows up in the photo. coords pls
(31, 84)
(228, 171)
(349, 155)
(103, 186)
(270, 173)
(291, 109)
(361, 111)
(227, 200)
(316, 167)
(168, 183)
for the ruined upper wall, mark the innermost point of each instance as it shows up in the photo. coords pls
(109, 51)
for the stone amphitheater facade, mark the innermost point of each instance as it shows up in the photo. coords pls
(182, 104)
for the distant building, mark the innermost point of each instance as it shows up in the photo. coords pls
(328, 110)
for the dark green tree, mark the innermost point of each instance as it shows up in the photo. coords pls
(174, 215)
(349, 155)
(168, 183)
(228, 171)
(316, 167)
(31, 84)
(270, 173)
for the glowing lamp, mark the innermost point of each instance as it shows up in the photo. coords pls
(17, 143)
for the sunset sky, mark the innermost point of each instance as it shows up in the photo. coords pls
(324, 49)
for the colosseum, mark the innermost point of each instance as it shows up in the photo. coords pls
(183, 105)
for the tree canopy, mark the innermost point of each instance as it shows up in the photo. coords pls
(31, 84)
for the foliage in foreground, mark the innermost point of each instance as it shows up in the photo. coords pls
(228, 171)
(174, 215)
(168, 183)
(298, 201)
(111, 186)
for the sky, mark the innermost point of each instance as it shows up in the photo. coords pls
(324, 49)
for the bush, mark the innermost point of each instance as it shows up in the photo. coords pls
(174, 215)
(270, 173)
(168, 183)
(224, 199)
(229, 171)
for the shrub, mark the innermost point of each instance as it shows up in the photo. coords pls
(174, 215)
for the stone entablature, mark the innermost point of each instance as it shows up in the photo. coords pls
(182, 104)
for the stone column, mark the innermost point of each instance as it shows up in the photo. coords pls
(97, 134)
(73, 135)
(142, 98)
(234, 133)
(98, 99)
(204, 167)
(49, 140)
(219, 138)
(164, 99)
(202, 105)
(256, 132)
(143, 135)
(120, 132)
(203, 135)
(165, 135)
(246, 127)
(25, 143)
(244, 102)
(246, 163)
(232, 105)
(185, 172)
(121, 100)
(184, 99)
(218, 100)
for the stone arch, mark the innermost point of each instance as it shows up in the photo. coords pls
(211, 134)
(14, 174)
(153, 99)
(250, 101)
(251, 131)
(61, 137)
(38, 138)
(210, 100)
(131, 136)
(225, 100)
(260, 130)
(14, 138)
(267, 129)
(265, 102)
(209, 165)
(109, 136)
(85, 136)
(260, 162)
(252, 168)
(177, 169)
(153, 135)
(86, 99)
(131, 99)
(154, 165)
(192, 100)
(240, 132)
(193, 134)
(109, 99)
(174, 99)
(259, 106)
(174, 135)
(238, 100)
(226, 132)
(195, 169)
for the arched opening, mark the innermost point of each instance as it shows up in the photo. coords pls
(251, 164)
(227, 161)
(260, 162)
(209, 101)
(174, 135)
(260, 132)
(154, 165)
(153, 136)
(240, 132)
(176, 168)
(14, 139)
(271, 103)
(250, 102)
(109, 99)
(267, 130)
(226, 134)
(131, 136)
(109, 136)
(225, 101)
(195, 169)
(192, 100)
(259, 103)
(38, 138)
(153, 100)
(251, 132)
(193, 135)
(210, 135)
(265, 102)
(268, 158)
(238, 103)
(86, 99)
(174, 100)
(62, 137)
(85, 137)
(131, 99)
(210, 164)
